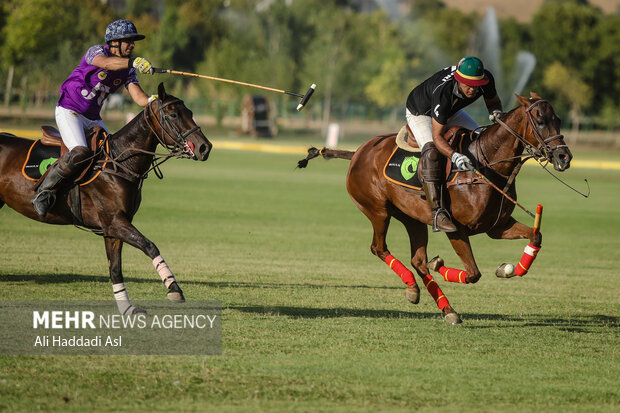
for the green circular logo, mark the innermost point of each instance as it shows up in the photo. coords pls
(45, 164)
(408, 167)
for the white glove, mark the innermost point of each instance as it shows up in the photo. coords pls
(497, 114)
(152, 98)
(142, 65)
(462, 162)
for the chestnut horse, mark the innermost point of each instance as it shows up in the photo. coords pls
(530, 130)
(110, 201)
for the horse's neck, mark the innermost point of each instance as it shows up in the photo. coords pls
(496, 144)
(134, 135)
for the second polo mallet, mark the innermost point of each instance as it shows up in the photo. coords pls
(300, 106)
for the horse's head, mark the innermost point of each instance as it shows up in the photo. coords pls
(544, 131)
(175, 126)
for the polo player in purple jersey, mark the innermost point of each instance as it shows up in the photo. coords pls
(102, 70)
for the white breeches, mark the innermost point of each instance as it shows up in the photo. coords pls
(72, 127)
(422, 126)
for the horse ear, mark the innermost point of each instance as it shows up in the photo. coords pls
(535, 95)
(523, 101)
(161, 91)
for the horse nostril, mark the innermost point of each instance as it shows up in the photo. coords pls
(203, 149)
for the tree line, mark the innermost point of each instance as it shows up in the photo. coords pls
(357, 56)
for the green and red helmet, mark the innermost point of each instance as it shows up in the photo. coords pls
(471, 72)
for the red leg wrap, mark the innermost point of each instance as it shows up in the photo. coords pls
(435, 292)
(400, 269)
(453, 275)
(529, 254)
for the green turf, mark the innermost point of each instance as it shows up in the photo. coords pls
(312, 320)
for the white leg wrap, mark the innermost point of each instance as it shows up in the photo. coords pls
(122, 299)
(164, 271)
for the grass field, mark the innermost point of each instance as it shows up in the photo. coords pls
(312, 320)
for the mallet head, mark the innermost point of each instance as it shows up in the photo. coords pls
(306, 97)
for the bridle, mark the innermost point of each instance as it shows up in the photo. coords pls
(183, 147)
(541, 151)
(162, 127)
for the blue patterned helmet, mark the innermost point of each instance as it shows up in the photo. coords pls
(120, 30)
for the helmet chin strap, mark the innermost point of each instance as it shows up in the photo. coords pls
(118, 46)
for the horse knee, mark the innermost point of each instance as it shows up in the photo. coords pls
(473, 278)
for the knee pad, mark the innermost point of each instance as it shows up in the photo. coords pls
(431, 161)
(73, 160)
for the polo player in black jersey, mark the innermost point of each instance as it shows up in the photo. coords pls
(433, 107)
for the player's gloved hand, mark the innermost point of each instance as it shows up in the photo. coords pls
(141, 65)
(462, 162)
(497, 114)
(152, 98)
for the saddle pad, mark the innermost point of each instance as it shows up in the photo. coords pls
(402, 168)
(40, 158)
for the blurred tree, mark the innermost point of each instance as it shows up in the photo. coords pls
(567, 85)
(564, 32)
(187, 29)
(606, 71)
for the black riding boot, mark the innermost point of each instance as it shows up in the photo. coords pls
(432, 178)
(59, 174)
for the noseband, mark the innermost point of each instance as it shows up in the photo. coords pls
(182, 146)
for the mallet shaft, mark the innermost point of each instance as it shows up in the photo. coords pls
(503, 193)
(236, 82)
(538, 218)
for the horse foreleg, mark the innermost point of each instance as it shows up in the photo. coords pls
(513, 229)
(113, 249)
(462, 247)
(123, 230)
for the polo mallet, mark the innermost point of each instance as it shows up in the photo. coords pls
(300, 106)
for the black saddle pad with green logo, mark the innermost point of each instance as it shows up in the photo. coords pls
(402, 168)
(40, 157)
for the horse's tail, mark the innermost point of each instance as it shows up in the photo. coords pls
(326, 153)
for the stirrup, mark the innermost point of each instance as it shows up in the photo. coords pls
(451, 226)
(43, 201)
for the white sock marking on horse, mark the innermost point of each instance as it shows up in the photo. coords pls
(122, 298)
(164, 271)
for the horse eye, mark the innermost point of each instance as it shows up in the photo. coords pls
(173, 115)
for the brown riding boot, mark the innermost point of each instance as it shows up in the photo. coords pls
(441, 218)
(60, 173)
(431, 162)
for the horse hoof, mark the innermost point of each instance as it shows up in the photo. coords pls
(176, 296)
(412, 293)
(138, 310)
(505, 271)
(435, 264)
(452, 318)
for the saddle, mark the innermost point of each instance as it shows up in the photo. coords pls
(402, 166)
(49, 148)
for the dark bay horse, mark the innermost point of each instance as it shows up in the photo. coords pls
(109, 202)
(530, 130)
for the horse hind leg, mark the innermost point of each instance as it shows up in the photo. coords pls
(418, 240)
(380, 220)
(114, 248)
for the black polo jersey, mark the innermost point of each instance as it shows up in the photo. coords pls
(439, 95)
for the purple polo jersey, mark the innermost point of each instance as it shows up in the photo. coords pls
(88, 86)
